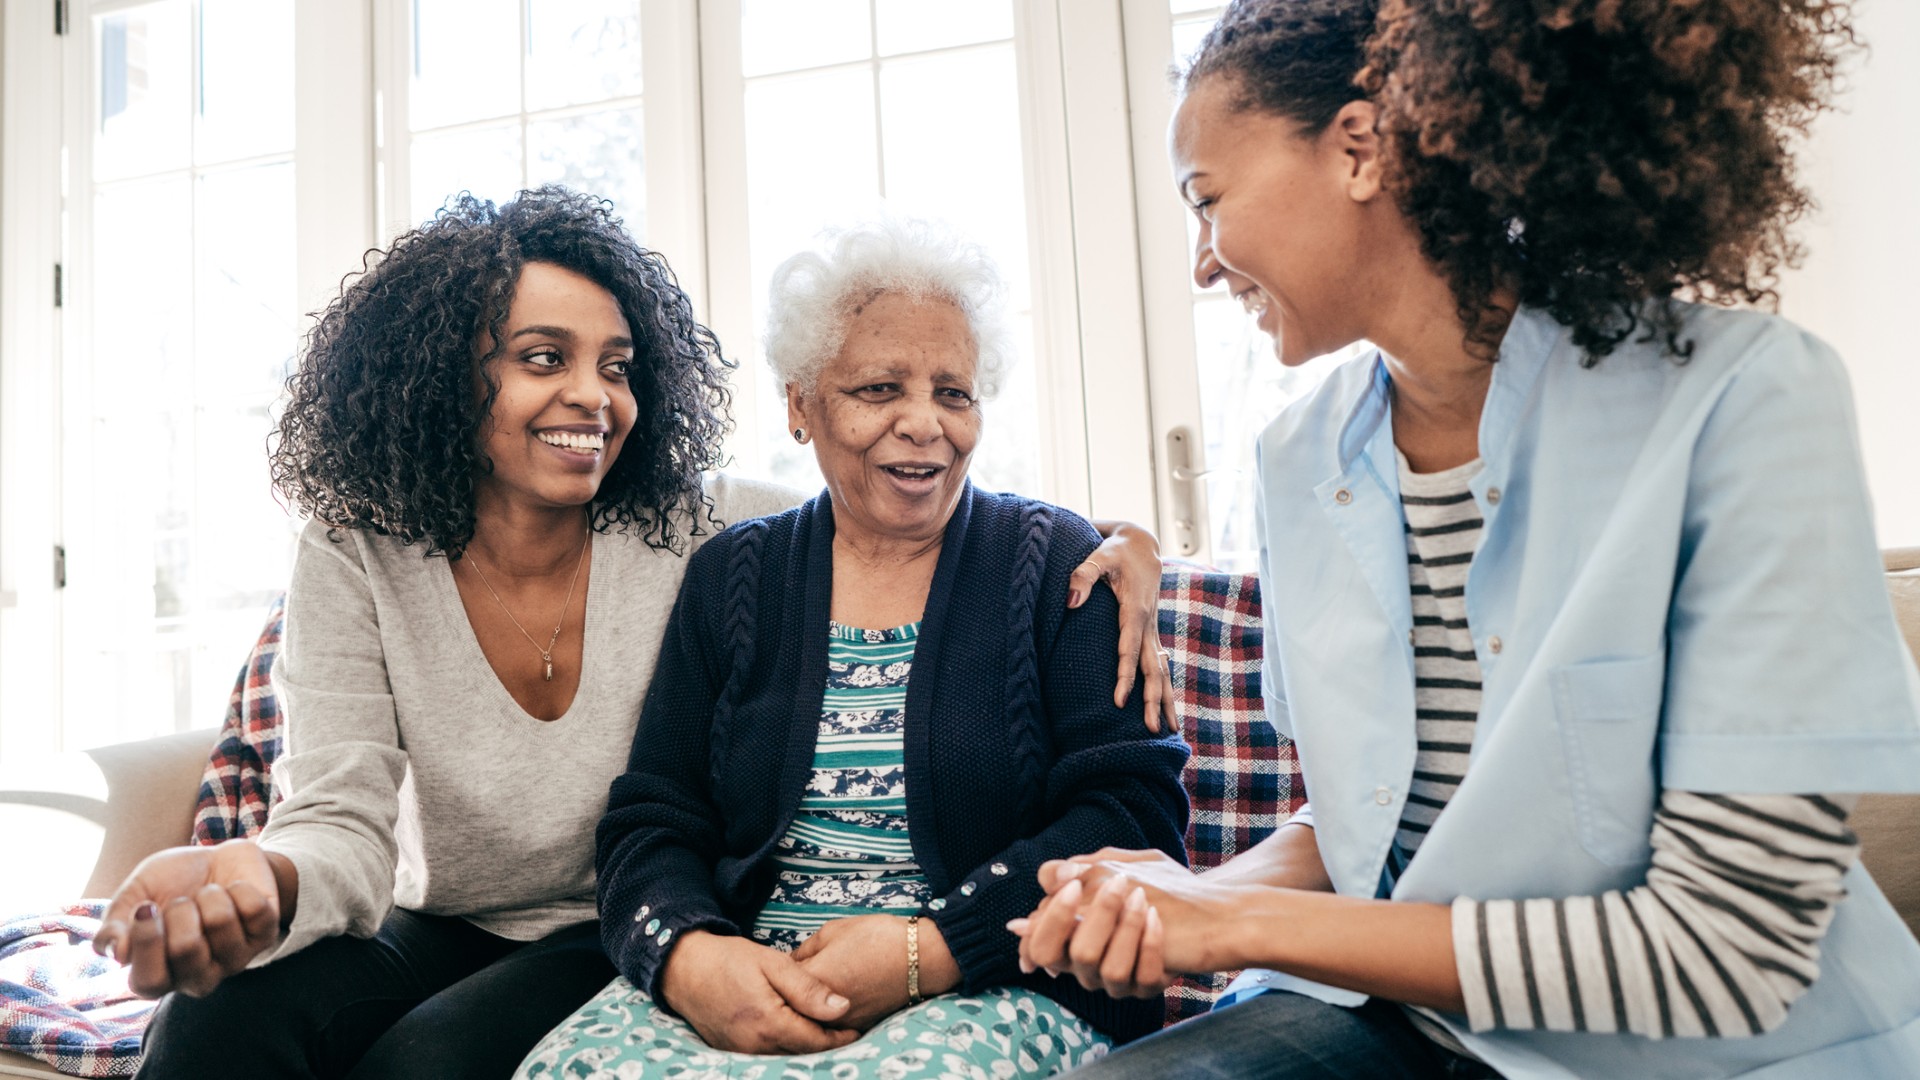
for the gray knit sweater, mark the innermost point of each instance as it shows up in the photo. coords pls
(411, 777)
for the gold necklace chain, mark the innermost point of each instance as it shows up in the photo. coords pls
(546, 654)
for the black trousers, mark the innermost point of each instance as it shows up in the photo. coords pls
(427, 997)
(1286, 1036)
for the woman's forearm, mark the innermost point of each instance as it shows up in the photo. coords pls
(1289, 858)
(1399, 951)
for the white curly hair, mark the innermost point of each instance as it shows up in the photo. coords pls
(815, 292)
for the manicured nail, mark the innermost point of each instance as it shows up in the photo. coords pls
(1070, 870)
(145, 912)
(836, 1001)
(104, 947)
(1018, 926)
(1026, 966)
(1113, 886)
(1075, 598)
(1072, 892)
(1137, 899)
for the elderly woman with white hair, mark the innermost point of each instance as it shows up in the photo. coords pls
(874, 717)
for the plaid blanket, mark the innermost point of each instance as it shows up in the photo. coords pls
(64, 1005)
(1243, 777)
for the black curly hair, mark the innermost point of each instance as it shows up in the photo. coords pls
(382, 429)
(1589, 155)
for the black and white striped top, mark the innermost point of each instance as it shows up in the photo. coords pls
(1719, 942)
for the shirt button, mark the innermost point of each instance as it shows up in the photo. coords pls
(1382, 795)
(1493, 645)
(1493, 496)
(1343, 496)
(1409, 637)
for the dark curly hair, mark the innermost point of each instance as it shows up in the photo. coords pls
(382, 429)
(1589, 155)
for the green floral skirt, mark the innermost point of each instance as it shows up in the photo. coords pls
(996, 1035)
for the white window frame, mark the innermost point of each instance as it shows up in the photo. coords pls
(1106, 246)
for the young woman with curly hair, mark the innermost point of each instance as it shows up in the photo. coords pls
(1573, 606)
(502, 431)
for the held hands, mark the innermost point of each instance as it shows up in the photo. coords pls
(751, 999)
(1125, 922)
(188, 917)
(865, 959)
(1129, 560)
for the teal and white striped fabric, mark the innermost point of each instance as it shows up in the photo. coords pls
(848, 845)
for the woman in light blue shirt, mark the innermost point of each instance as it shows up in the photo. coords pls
(1573, 604)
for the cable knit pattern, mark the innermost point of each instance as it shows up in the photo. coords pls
(742, 600)
(1023, 674)
(689, 842)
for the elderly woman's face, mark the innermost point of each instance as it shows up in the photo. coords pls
(893, 417)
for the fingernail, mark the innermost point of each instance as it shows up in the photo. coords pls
(1114, 884)
(836, 1001)
(1017, 926)
(1072, 892)
(1074, 598)
(1070, 870)
(104, 948)
(1026, 966)
(1137, 899)
(145, 911)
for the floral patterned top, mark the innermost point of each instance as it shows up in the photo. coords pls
(848, 845)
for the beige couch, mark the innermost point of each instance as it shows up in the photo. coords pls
(102, 812)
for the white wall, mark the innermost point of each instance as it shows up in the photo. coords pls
(1857, 288)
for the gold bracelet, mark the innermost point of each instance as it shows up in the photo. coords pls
(913, 960)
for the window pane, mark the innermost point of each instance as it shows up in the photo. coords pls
(246, 85)
(602, 153)
(582, 50)
(957, 156)
(127, 550)
(803, 173)
(786, 35)
(485, 161)
(466, 61)
(914, 25)
(145, 96)
(246, 326)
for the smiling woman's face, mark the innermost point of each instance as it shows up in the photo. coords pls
(1282, 217)
(564, 407)
(893, 417)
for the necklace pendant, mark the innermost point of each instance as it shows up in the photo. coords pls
(549, 659)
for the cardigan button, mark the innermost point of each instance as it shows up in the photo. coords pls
(1343, 496)
(967, 889)
(641, 915)
(999, 869)
(938, 903)
(665, 936)
(652, 928)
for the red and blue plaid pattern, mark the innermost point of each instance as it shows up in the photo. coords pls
(237, 790)
(64, 1005)
(1243, 776)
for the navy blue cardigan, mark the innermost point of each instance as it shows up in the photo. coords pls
(1015, 752)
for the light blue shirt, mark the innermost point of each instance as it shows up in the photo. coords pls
(1678, 586)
